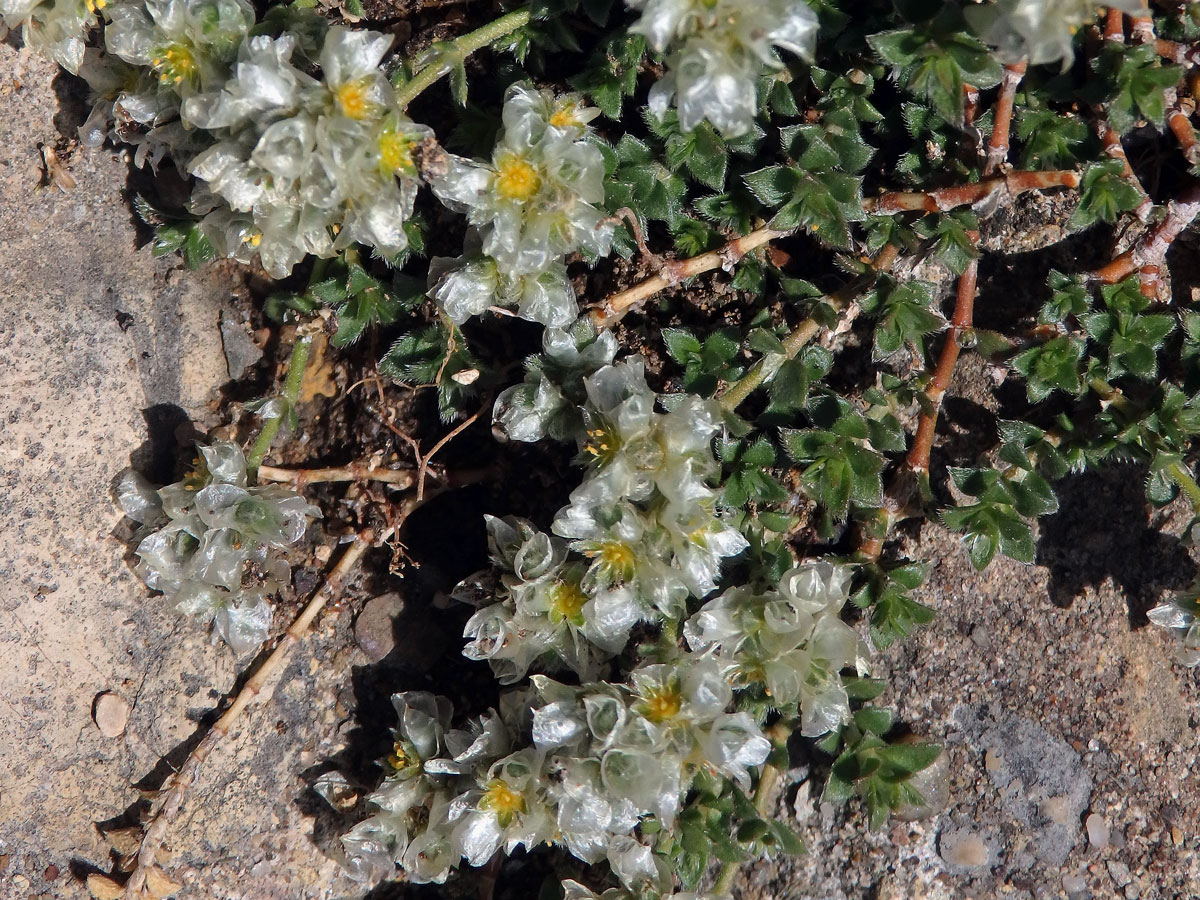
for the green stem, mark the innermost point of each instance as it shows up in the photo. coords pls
(763, 794)
(461, 47)
(745, 386)
(1186, 483)
(291, 391)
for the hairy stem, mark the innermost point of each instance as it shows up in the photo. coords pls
(764, 793)
(805, 332)
(1182, 54)
(610, 310)
(291, 391)
(462, 47)
(1187, 484)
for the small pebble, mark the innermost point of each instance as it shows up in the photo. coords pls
(1074, 884)
(964, 848)
(20, 882)
(110, 713)
(374, 630)
(1097, 831)
(51, 873)
(1057, 809)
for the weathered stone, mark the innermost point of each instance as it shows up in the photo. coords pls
(110, 713)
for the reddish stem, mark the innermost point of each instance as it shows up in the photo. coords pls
(1179, 121)
(1114, 26)
(970, 104)
(960, 322)
(1141, 29)
(1180, 54)
(1151, 250)
(1115, 150)
(997, 151)
(948, 198)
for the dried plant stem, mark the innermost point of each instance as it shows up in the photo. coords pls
(917, 460)
(461, 47)
(672, 272)
(1151, 250)
(355, 471)
(945, 199)
(291, 390)
(805, 331)
(174, 791)
(997, 151)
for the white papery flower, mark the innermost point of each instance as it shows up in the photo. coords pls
(1180, 616)
(1041, 31)
(207, 541)
(538, 197)
(472, 284)
(717, 50)
(188, 44)
(57, 28)
(547, 403)
(264, 86)
(507, 810)
(791, 642)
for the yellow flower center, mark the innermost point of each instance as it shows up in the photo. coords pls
(502, 800)
(566, 601)
(402, 756)
(353, 99)
(661, 703)
(602, 444)
(175, 64)
(565, 117)
(94, 6)
(616, 556)
(395, 152)
(516, 179)
(254, 238)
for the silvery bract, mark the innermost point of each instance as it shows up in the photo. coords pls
(1038, 30)
(208, 539)
(717, 50)
(56, 27)
(1180, 616)
(791, 643)
(597, 759)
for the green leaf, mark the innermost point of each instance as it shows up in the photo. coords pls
(681, 344)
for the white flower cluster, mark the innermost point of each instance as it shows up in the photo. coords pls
(791, 642)
(593, 763)
(643, 527)
(209, 541)
(58, 28)
(538, 200)
(1038, 30)
(716, 51)
(291, 164)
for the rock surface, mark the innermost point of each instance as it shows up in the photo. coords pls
(100, 343)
